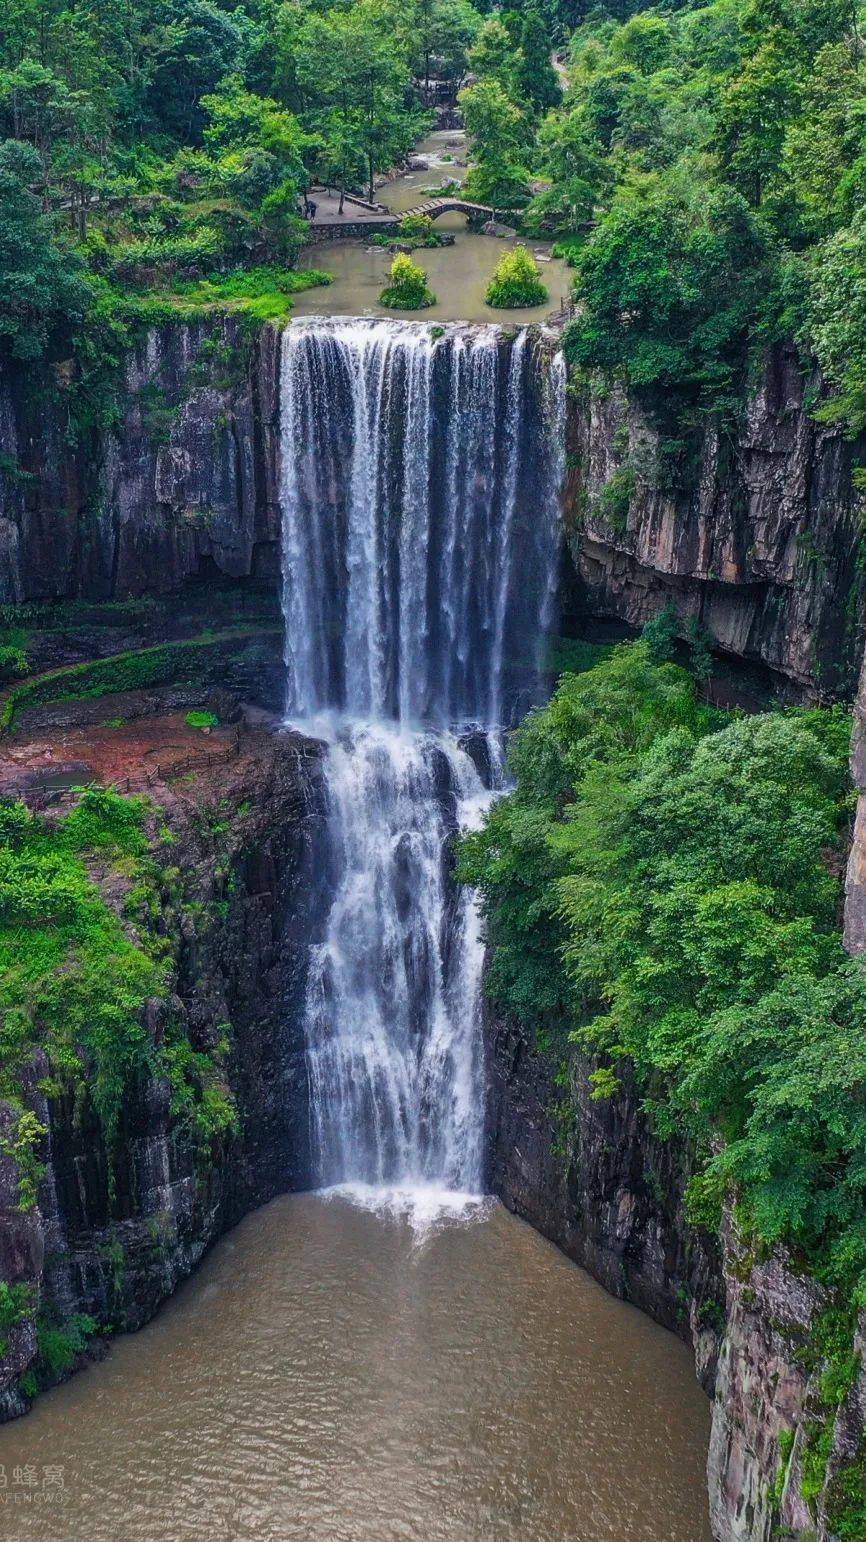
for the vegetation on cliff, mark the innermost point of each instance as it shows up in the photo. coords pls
(704, 171)
(666, 877)
(77, 974)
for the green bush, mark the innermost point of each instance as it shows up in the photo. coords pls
(516, 282)
(614, 500)
(74, 981)
(15, 1305)
(60, 1345)
(13, 663)
(201, 719)
(408, 289)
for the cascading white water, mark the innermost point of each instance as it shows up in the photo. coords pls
(420, 478)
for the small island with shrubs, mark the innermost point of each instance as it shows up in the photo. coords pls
(516, 281)
(408, 289)
(415, 230)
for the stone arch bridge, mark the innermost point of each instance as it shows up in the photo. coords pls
(360, 217)
(436, 206)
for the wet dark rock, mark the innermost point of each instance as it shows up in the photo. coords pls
(758, 539)
(593, 1178)
(477, 746)
(185, 485)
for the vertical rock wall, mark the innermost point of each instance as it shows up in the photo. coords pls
(112, 1239)
(593, 1178)
(754, 529)
(185, 484)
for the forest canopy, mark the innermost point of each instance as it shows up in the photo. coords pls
(703, 166)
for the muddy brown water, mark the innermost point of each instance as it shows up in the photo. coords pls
(329, 1374)
(458, 274)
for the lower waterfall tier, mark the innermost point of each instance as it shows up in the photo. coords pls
(393, 1046)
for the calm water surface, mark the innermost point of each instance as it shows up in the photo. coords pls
(458, 274)
(328, 1374)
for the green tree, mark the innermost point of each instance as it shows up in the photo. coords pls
(203, 44)
(659, 878)
(671, 282)
(571, 158)
(494, 57)
(439, 35)
(359, 77)
(835, 321)
(536, 79)
(755, 110)
(42, 283)
(497, 175)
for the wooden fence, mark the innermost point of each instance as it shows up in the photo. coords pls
(139, 781)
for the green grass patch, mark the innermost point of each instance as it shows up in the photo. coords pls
(188, 660)
(262, 294)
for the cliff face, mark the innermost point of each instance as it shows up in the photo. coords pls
(760, 541)
(184, 485)
(594, 1179)
(754, 531)
(111, 1239)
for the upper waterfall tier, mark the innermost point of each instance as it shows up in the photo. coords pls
(420, 482)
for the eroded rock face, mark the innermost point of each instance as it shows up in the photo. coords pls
(593, 1178)
(184, 484)
(113, 1243)
(760, 542)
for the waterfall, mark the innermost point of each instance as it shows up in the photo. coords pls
(420, 532)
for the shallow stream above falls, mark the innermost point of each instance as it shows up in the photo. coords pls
(330, 1374)
(458, 274)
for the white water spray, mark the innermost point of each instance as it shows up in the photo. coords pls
(420, 480)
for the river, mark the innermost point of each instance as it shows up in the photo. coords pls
(332, 1374)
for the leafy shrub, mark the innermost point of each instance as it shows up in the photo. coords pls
(13, 663)
(74, 981)
(408, 289)
(516, 281)
(199, 718)
(193, 249)
(419, 230)
(59, 1346)
(614, 500)
(15, 1304)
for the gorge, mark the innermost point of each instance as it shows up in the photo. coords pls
(396, 485)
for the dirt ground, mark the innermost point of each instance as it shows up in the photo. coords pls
(108, 754)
